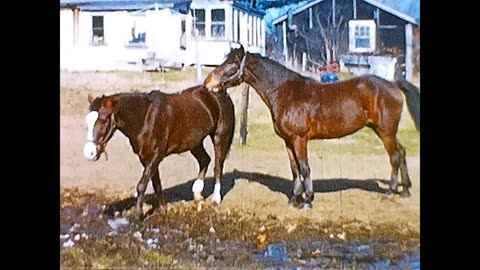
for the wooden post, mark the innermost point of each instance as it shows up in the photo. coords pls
(354, 9)
(408, 52)
(333, 12)
(244, 115)
(285, 49)
(197, 56)
(235, 23)
(76, 18)
(378, 36)
(304, 61)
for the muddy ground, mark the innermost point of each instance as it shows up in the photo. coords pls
(353, 224)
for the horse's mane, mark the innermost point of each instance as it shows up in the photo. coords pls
(280, 69)
(154, 95)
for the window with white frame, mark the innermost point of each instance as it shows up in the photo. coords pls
(218, 23)
(98, 31)
(139, 29)
(362, 36)
(198, 17)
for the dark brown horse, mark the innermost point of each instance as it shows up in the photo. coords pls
(303, 109)
(159, 124)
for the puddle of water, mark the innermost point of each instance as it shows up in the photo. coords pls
(115, 224)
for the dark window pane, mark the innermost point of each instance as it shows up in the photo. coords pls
(201, 30)
(218, 15)
(218, 30)
(199, 14)
(362, 42)
(97, 21)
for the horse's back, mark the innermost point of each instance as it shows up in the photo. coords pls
(157, 97)
(192, 115)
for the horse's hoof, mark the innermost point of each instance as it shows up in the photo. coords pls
(307, 206)
(198, 205)
(215, 199)
(197, 197)
(405, 194)
(139, 216)
(389, 195)
(393, 187)
(162, 209)
(296, 201)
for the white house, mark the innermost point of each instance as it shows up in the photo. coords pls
(221, 22)
(110, 34)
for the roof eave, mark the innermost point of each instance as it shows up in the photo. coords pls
(385, 8)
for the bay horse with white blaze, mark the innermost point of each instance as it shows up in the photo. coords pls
(303, 109)
(159, 124)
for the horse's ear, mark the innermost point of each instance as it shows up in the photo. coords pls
(90, 99)
(242, 49)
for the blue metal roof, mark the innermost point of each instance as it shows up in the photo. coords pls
(111, 5)
(385, 5)
(248, 7)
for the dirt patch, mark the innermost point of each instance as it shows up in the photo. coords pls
(182, 237)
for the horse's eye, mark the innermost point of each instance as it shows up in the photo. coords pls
(231, 68)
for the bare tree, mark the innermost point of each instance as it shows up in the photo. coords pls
(329, 32)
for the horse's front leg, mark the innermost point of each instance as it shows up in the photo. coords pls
(296, 200)
(300, 148)
(149, 170)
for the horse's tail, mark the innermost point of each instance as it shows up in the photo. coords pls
(412, 94)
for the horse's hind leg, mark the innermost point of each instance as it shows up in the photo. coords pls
(149, 170)
(157, 187)
(221, 142)
(406, 184)
(396, 156)
(203, 160)
(296, 199)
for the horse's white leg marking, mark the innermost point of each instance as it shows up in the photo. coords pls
(216, 194)
(197, 189)
(90, 149)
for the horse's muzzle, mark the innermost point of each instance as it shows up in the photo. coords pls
(91, 151)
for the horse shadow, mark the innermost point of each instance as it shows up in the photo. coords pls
(183, 192)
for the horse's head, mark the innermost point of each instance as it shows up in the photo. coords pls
(229, 73)
(100, 126)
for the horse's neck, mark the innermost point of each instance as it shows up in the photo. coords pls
(266, 78)
(131, 116)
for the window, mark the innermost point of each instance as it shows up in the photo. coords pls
(198, 22)
(218, 23)
(362, 36)
(139, 30)
(98, 33)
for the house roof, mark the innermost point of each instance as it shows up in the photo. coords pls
(296, 11)
(247, 7)
(392, 11)
(381, 6)
(111, 5)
